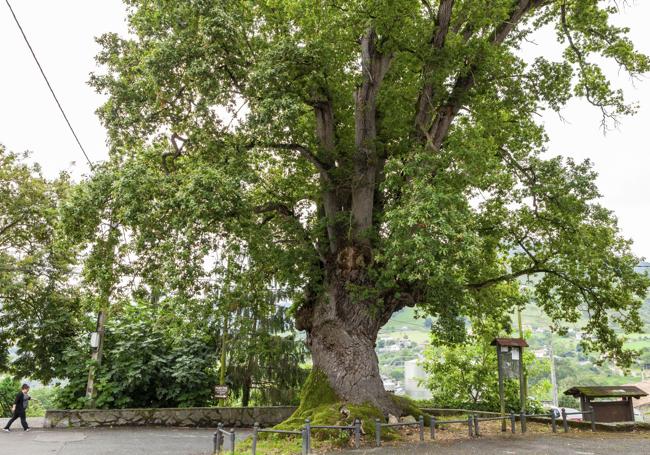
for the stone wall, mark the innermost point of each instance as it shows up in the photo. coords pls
(173, 417)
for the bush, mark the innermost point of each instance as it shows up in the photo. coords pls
(9, 387)
(144, 365)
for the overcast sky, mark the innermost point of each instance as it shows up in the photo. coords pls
(62, 33)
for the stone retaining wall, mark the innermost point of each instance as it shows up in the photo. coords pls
(173, 417)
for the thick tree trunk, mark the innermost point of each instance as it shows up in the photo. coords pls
(349, 361)
(342, 331)
(246, 393)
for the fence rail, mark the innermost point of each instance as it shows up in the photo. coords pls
(219, 436)
(379, 426)
(473, 428)
(306, 431)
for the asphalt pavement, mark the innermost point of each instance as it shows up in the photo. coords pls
(198, 441)
(110, 441)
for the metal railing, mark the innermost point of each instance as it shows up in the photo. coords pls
(302, 432)
(503, 419)
(469, 422)
(219, 438)
(592, 418)
(473, 428)
(379, 426)
(306, 432)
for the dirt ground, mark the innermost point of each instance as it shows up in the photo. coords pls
(538, 440)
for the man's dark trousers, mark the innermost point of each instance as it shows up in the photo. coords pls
(18, 414)
(19, 410)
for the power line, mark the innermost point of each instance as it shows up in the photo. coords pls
(49, 85)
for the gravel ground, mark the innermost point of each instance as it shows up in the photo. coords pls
(533, 444)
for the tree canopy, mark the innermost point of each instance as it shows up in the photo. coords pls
(363, 156)
(40, 309)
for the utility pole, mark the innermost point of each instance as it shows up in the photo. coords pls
(553, 374)
(524, 377)
(224, 342)
(97, 346)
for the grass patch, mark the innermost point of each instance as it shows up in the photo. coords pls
(320, 404)
(271, 446)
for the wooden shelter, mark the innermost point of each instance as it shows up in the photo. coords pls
(510, 359)
(607, 408)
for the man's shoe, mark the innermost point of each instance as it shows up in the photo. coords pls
(6, 430)
(27, 429)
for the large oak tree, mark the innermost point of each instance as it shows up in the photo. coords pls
(368, 155)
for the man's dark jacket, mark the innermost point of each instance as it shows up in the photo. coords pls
(19, 403)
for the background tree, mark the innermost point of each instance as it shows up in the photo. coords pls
(369, 155)
(40, 308)
(169, 308)
(465, 375)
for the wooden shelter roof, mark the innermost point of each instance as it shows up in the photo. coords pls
(606, 391)
(510, 342)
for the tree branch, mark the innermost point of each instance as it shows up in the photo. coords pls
(287, 212)
(322, 166)
(507, 277)
(374, 65)
(464, 82)
(425, 99)
(174, 153)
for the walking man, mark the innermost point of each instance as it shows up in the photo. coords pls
(20, 408)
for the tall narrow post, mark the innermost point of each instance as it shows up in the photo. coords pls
(219, 437)
(513, 422)
(523, 379)
(502, 399)
(232, 441)
(215, 442)
(553, 373)
(553, 421)
(222, 372)
(308, 432)
(256, 427)
(593, 418)
(357, 433)
(433, 428)
(565, 424)
(477, 433)
(377, 433)
(522, 421)
(470, 425)
(421, 425)
(96, 357)
(304, 442)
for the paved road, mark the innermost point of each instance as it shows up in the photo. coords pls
(582, 444)
(109, 441)
(33, 422)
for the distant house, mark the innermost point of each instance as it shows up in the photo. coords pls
(541, 353)
(413, 374)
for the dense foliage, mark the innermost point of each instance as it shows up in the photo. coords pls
(369, 155)
(465, 375)
(146, 364)
(9, 387)
(40, 307)
(356, 158)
